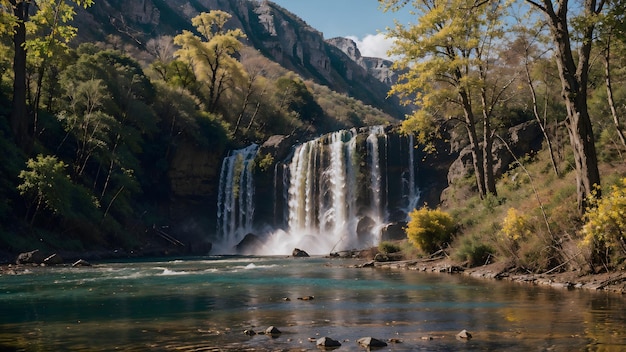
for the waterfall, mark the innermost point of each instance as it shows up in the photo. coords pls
(334, 193)
(375, 173)
(321, 187)
(235, 203)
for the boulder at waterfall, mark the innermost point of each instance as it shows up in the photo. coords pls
(299, 253)
(32, 257)
(364, 227)
(248, 244)
(393, 232)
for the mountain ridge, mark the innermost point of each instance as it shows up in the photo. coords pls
(278, 34)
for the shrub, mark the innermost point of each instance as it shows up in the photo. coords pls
(388, 247)
(514, 229)
(429, 229)
(605, 225)
(473, 250)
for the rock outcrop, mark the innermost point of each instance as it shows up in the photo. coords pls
(377, 67)
(521, 139)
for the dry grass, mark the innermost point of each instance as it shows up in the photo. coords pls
(548, 201)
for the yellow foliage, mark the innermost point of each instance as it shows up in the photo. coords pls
(605, 227)
(429, 229)
(515, 227)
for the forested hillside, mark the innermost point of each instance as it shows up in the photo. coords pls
(106, 141)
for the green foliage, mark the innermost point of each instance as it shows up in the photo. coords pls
(430, 229)
(491, 201)
(388, 247)
(294, 95)
(46, 184)
(605, 226)
(264, 162)
(474, 250)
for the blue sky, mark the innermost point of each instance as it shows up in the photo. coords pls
(360, 20)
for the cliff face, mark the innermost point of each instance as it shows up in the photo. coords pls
(275, 32)
(374, 66)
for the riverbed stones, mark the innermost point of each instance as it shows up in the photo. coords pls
(370, 342)
(327, 342)
(272, 331)
(464, 335)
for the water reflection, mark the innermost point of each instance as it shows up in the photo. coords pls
(193, 305)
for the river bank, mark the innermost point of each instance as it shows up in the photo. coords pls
(611, 282)
(608, 281)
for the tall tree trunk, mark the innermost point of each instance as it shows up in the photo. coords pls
(574, 80)
(19, 115)
(477, 161)
(490, 180)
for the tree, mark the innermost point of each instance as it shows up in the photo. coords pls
(47, 185)
(213, 58)
(447, 56)
(48, 26)
(611, 28)
(567, 35)
(526, 48)
(114, 99)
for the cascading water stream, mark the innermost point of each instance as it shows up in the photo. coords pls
(375, 173)
(235, 203)
(411, 192)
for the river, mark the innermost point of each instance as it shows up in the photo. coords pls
(205, 304)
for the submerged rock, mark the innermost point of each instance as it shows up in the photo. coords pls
(464, 335)
(327, 342)
(369, 342)
(273, 331)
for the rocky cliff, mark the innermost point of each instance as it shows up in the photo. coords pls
(278, 34)
(374, 66)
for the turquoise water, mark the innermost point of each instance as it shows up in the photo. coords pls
(205, 304)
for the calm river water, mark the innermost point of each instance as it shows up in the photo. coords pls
(205, 305)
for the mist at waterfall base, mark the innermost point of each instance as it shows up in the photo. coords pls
(334, 193)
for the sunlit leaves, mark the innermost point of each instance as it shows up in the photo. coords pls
(605, 226)
(430, 229)
(212, 55)
(46, 183)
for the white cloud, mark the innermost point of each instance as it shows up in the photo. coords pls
(374, 45)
